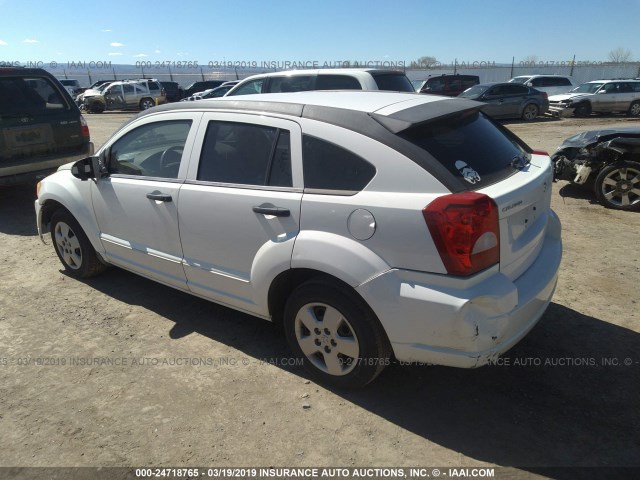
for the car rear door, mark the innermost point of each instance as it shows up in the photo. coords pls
(240, 207)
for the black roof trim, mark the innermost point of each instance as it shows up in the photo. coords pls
(379, 127)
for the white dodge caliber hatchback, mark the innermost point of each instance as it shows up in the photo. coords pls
(373, 225)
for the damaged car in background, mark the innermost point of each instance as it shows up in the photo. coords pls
(609, 160)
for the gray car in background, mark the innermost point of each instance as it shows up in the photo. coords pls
(509, 100)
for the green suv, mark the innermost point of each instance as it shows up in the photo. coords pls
(41, 127)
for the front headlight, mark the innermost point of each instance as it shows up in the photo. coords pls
(38, 189)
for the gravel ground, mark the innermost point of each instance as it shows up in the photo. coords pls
(179, 381)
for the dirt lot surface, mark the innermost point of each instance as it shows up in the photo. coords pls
(566, 396)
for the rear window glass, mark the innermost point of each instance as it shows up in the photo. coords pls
(470, 146)
(395, 82)
(32, 95)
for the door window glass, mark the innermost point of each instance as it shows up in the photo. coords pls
(291, 83)
(245, 154)
(152, 150)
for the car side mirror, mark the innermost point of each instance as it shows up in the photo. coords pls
(89, 168)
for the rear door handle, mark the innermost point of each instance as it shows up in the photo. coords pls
(161, 197)
(269, 209)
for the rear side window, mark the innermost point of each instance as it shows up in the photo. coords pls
(470, 146)
(330, 167)
(31, 95)
(291, 83)
(395, 82)
(337, 82)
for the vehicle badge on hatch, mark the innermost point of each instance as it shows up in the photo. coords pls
(468, 173)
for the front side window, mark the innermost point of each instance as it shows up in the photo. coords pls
(330, 167)
(152, 150)
(245, 154)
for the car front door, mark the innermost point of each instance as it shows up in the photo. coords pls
(136, 205)
(494, 100)
(240, 206)
(607, 98)
(114, 98)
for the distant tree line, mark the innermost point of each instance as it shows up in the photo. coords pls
(618, 55)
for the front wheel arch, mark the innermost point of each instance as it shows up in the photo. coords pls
(616, 187)
(583, 109)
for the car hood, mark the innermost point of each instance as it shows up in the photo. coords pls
(568, 96)
(91, 92)
(589, 137)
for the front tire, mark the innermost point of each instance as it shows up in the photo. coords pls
(338, 338)
(634, 109)
(618, 186)
(74, 249)
(582, 110)
(530, 112)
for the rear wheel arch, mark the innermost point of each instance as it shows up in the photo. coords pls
(368, 351)
(286, 282)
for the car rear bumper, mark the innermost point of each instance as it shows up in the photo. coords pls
(464, 323)
(30, 171)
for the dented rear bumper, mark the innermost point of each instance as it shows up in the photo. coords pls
(464, 323)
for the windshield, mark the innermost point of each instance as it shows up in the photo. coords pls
(587, 88)
(519, 80)
(474, 91)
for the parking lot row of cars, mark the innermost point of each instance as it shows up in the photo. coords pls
(525, 97)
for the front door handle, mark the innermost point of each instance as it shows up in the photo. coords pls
(269, 209)
(161, 197)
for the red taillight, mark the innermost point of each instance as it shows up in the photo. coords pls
(540, 152)
(465, 230)
(84, 127)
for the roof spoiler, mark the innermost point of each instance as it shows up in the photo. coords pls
(426, 112)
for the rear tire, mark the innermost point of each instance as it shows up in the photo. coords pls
(336, 335)
(74, 249)
(617, 186)
(146, 104)
(634, 109)
(530, 112)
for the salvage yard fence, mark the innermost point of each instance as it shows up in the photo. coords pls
(495, 73)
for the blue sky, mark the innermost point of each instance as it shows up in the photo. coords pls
(316, 30)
